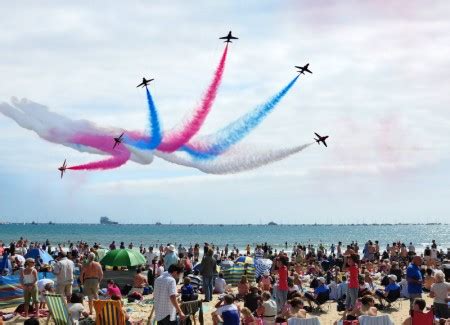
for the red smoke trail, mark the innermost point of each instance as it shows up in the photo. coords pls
(120, 154)
(176, 139)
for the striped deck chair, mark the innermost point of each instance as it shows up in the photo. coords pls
(58, 309)
(109, 312)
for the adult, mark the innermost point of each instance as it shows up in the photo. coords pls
(165, 297)
(90, 277)
(390, 292)
(208, 267)
(414, 279)
(28, 279)
(171, 257)
(282, 288)
(140, 281)
(439, 292)
(63, 270)
(268, 309)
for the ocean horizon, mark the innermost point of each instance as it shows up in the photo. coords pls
(239, 235)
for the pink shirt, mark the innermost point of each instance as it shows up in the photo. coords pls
(113, 290)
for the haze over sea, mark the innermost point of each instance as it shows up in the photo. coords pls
(239, 235)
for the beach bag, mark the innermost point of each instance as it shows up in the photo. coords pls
(126, 289)
(21, 309)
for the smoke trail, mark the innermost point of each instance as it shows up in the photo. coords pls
(120, 154)
(234, 161)
(175, 139)
(212, 145)
(59, 129)
(155, 134)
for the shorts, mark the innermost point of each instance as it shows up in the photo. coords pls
(64, 289)
(90, 288)
(31, 294)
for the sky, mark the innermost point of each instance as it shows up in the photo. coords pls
(379, 89)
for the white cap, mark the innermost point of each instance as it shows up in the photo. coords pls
(393, 277)
(321, 279)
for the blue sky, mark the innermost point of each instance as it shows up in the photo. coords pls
(379, 89)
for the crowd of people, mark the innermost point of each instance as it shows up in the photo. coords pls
(361, 281)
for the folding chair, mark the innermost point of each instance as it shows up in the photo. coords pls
(303, 321)
(58, 309)
(109, 312)
(375, 320)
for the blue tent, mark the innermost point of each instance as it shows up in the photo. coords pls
(37, 252)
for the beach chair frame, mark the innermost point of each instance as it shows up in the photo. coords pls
(63, 315)
(101, 305)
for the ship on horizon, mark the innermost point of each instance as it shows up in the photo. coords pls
(107, 221)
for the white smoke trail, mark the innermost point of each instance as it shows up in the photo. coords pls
(59, 129)
(234, 161)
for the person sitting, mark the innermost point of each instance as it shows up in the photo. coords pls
(113, 289)
(320, 295)
(265, 283)
(342, 289)
(187, 291)
(418, 307)
(247, 317)
(220, 285)
(364, 288)
(267, 309)
(243, 287)
(363, 306)
(252, 299)
(439, 292)
(227, 312)
(76, 309)
(139, 282)
(296, 309)
(391, 292)
(292, 288)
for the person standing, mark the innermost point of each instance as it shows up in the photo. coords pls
(170, 258)
(28, 279)
(414, 278)
(439, 292)
(282, 288)
(165, 297)
(208, 267)
(353, 284)
(63, 270)
(91, 276)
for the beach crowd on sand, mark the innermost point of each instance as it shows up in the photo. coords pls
(362, 285)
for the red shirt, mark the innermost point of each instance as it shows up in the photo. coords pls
(354, 272)
(282, 278)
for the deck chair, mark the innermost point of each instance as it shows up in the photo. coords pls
(393, 298)
(108, 312)
(419, 318)
(190, 308)
(58, 309)
(375, 320)
(303, 321)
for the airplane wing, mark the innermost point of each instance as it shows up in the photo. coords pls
(225, 37)
(317, 134)
(141, 84)
(324, 143)
(232, 37)
(306, 66)
(308, 70)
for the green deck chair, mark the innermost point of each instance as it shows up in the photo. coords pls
(58, 309)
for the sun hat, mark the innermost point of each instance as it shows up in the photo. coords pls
(171, 248)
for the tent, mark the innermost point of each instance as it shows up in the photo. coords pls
(43, 255)
(234, 274)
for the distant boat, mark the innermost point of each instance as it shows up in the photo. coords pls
(272, 224)
(158, 223)
(50, 223)
(106, 221)
(34, 223)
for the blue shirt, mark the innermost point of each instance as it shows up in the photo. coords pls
(413, 272)
(187, 289)
(230, 314)
(392, 287)
(321, 289)
(169, 259)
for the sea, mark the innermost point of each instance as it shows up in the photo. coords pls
(220, 235)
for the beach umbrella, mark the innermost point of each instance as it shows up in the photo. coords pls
(244, 260)
(101, 252)
(262, 265)
(123, 257)
(41, 254)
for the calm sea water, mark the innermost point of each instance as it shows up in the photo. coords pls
(239, 235)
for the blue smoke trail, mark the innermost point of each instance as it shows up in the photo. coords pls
(155, 127)
(237, 130)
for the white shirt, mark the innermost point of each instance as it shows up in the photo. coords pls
(43, 282)
(64, 271)
(441, 291)
(159, 270)
(219, 285)
(165, 286)
(75, 311)
(150, 257)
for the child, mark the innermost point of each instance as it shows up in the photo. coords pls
(48, 288)
(247, 317)
(187, 291)
(76, 308)
(265, 283)
(220, 284)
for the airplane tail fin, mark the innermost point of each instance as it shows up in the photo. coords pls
(318, 141)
